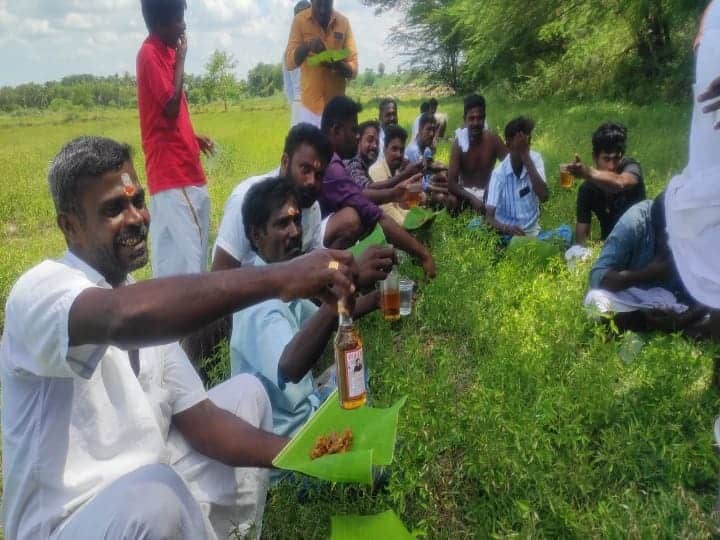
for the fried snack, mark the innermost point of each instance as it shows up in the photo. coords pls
(332, 444)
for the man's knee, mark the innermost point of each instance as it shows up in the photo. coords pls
(344, 229)
(159, 505)
(245, 397)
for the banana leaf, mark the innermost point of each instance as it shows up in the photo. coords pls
(385, 525)
(375, 238)
(374, 434)
(417, 217)
(328, 56)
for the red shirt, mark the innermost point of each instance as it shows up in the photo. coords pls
(172, 153)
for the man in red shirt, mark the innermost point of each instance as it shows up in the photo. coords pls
(180, 202)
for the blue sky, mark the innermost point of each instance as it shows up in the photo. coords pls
(45, 40)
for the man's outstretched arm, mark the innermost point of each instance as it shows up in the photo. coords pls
(164, 310)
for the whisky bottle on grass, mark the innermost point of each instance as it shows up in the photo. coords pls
(349, 361)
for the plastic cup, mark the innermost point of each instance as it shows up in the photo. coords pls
(566, 179)
(407, 287)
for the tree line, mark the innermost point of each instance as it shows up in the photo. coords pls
(630, 49)
(217, 83)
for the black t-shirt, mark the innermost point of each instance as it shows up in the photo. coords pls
(609, 207)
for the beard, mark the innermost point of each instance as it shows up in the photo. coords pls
(128, 253)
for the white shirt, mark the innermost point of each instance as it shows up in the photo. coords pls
(231, 236)
(76, 418)
(513, 197)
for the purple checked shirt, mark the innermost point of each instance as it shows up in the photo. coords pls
(340, 191)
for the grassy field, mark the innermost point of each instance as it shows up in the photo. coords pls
(523, 418)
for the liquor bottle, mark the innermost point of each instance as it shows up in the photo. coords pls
(349, 361)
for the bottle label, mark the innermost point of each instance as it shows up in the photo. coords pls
(355, 371)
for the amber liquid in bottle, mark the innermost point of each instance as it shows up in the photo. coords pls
(350, 362)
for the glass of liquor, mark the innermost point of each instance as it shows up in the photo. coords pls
(566, 178)
(390, 296)
(349, 361)
(412, 195)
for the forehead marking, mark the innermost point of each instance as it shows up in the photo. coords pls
(128, 185)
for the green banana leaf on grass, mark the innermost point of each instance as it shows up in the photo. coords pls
(374, 434)
(417, 217)
(386, 525)
(328, 56)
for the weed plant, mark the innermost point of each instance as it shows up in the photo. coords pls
(523, 417)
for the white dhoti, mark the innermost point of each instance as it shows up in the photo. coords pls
(194, 497)
(303, 115)
(179, 227)
(601, 301)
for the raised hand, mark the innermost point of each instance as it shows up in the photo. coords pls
(324, 274)
(181, 47)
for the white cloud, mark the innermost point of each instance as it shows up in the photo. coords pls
(48, 39)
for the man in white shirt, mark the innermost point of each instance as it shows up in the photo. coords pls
(107, 429)
(305, 157)
(517, 185)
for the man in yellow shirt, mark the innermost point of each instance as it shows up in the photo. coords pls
(313, 31)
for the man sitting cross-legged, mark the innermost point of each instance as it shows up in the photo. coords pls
(474, 153)
(280, 342)
(518, 185)
(612, 186)
(341, 194)
(634, 278)
(107, 429)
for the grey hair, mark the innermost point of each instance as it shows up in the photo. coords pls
(80, 162)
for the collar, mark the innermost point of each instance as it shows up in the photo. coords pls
(309, 17)
(507, 168)
(258, 260)
(73, 261)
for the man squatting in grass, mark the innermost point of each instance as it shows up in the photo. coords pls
(635, 280)
(474, 153)
(341, 194)
(280, 342)
(313, 31)
(612, 186)
(178, 190)
(517, 186)
(106, 425)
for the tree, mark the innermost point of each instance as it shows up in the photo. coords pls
(264, 80)
(219, 76)
(381, 69)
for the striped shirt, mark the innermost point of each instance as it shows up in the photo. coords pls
(513, 198)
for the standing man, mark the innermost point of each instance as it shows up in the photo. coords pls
(313, 31)
(474, 154)
(291, 79)
(611, 187)
(180, 200)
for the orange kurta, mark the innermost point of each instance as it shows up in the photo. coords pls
(318, 85)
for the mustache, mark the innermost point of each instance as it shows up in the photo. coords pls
(139, 232)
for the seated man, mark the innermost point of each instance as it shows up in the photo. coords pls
(388, 116)
(107, 429)
(634, 278)
(424, 109)
(441, 119)
(305, 157)
(280, 342)
(427, 128)
(611, 187)
(474, 153)
(341, 194)
(517, 186)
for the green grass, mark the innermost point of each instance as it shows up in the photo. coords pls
(522, 418)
